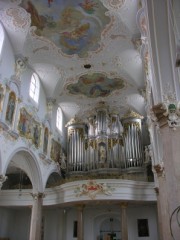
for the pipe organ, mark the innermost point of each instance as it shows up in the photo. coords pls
(105, 142)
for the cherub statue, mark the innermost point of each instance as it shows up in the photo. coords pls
(173, 113)
(20, 66)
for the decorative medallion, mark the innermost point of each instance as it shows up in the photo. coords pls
(95, 85)
(92, 188)
(74, 26)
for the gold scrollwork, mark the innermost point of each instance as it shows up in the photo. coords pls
(93, 143)
(127, 124)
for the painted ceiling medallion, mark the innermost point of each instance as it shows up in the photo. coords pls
(95, 85)
(74, 26)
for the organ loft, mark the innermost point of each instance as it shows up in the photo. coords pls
(105, 143)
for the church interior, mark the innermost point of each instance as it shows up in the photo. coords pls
(89, 119)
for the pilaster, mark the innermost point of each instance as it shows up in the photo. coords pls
(162, 42)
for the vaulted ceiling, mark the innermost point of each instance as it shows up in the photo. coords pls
(84, 51)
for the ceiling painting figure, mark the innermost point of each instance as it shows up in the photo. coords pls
(95, 85)
(74, 26)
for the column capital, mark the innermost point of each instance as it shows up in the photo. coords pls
(124, 204)
(37, 196)
(80, 207)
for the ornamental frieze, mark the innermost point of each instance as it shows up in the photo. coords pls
(92, 189)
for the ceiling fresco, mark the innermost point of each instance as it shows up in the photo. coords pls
(84, 51)
(74, 26)
(95, 85)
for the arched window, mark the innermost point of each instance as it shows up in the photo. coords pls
(34, 87)
(1, 38)
(59, 119)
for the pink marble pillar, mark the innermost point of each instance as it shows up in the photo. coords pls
(124, 226)
(80, 222)
(168, 175)
(171, 161)
(162, 205)
(36, 217)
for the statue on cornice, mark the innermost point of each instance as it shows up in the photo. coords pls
(20, 66)
(173, 113)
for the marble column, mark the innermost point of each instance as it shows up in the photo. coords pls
(124, 225)
(80, 222)
(168, 176)
(64, 225)
(162, 204)
(36, 217)
(2, 180)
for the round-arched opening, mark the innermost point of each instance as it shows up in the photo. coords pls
(16, 179)
(54, 180)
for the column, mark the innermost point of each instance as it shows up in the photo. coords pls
(2, 180)
(80, 222)
(124, 226)
(62, 224)
(162, 204)
(36, 217)
(168, 182)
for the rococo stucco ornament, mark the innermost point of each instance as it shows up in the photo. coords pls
(173, 114)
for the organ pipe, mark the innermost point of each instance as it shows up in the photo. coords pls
(121, 141)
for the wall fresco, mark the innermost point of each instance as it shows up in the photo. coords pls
(95, 85)
(55, 150)
(74, 26)
(45, 142)
(11, 107)
(29, 128)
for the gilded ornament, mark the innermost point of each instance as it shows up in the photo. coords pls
(132, 114)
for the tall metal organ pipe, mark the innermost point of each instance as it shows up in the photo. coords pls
(132, 140)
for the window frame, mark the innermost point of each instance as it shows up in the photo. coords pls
(34, 89)
(59, 118)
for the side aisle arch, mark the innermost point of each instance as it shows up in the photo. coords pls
(25, 160)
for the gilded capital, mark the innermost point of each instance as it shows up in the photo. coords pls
(37, 196)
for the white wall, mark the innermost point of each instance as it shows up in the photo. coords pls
(7, 60)
(52, 224)
(94, 216)
(15, 223)
(145, 212)
(5, 216)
